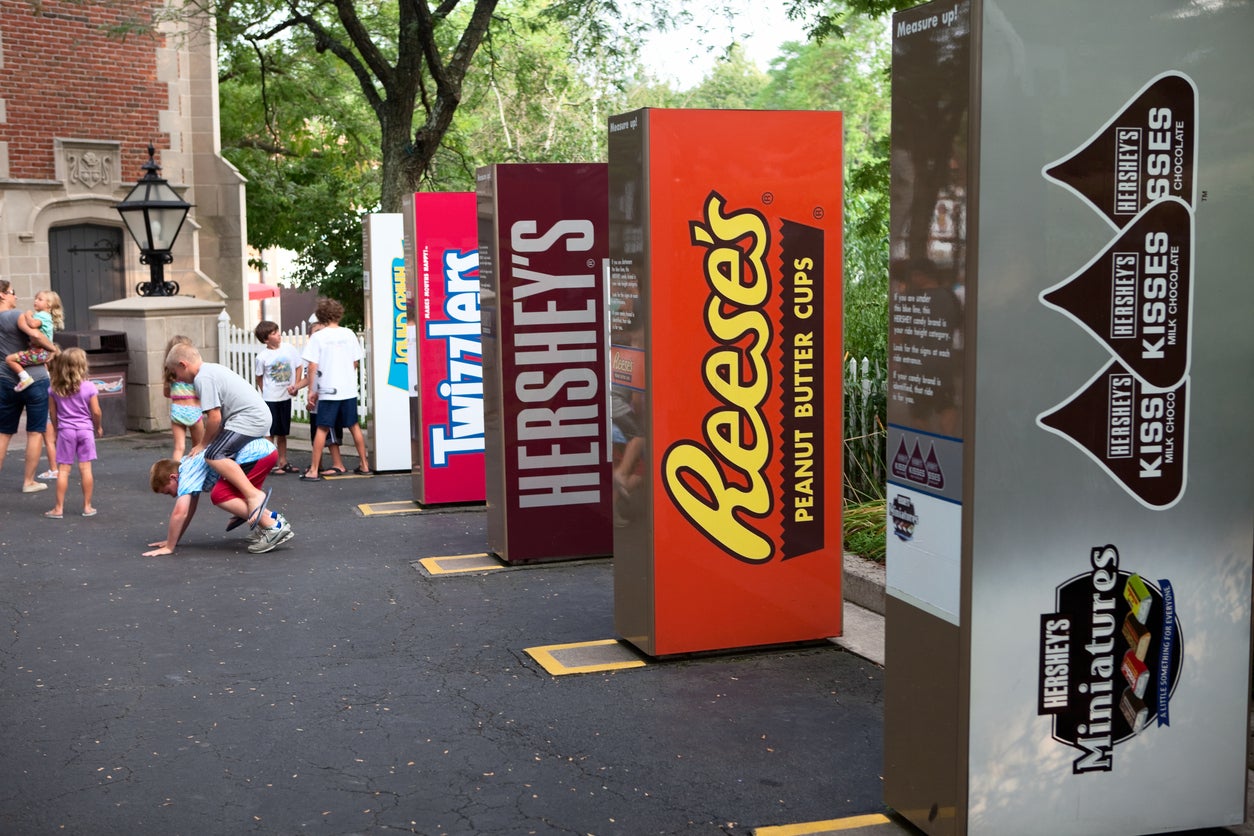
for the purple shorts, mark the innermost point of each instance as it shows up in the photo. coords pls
(76, 446)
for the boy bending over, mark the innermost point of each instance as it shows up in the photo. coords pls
(235, 415)
(185, 480)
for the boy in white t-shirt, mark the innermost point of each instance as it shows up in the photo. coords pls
(276, 370)
(333, 354)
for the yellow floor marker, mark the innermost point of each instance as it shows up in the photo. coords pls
(455, 564)
(815, 828)
(385, 509)
(586, 657)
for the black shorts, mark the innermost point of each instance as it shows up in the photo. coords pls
(280, 417)
(226, 445)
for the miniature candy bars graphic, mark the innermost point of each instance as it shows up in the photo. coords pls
(1135, 672)
(1134, 710)
(1137, 636)
(1138, 597)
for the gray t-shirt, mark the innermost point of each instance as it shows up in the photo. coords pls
(13, 339)
(243, 409)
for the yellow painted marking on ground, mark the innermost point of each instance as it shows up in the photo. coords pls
(617, 657)
(822, 826)
(380, 509)
(457, 563)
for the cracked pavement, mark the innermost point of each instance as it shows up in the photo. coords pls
(329, 687)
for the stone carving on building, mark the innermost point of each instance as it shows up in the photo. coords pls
(89, 166)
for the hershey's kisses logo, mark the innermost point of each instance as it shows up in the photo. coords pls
(462, 387)
(1135, 297)
(720, 484)
(1110, 656)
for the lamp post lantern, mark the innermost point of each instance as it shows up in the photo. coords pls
(154, 214)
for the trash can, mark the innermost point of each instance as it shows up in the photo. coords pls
(107, 363)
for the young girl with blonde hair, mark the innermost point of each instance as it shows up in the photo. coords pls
(46, 316)
(73, 405)
(185, 412)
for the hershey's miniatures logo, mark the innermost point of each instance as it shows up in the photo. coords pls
(904, 517)
(1110, 657)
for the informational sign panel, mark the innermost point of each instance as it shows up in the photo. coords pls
(725, 287)
(1071, 524)
(383, 281)
(446, 358)
(542, 250)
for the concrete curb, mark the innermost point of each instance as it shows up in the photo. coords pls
(864, 583)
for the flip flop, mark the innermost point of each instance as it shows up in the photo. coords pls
(91, 513)
(53, 516)
(235, 523)
(361, 472)
(332, 471)
(304, 477)
(254, 516)
(289, 468)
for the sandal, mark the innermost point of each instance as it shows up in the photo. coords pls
(254, 516)
(289, 468)
(332, 471)
(361, 472)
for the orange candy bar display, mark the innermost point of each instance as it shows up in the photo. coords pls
(725, 331)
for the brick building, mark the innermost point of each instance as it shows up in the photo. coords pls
(79, 104)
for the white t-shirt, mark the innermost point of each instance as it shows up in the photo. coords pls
(335, 350)
(277, 369)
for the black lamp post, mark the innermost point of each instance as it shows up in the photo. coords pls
(154, 214)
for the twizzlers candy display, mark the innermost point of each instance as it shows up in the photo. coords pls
(442, 249)
(725, 286)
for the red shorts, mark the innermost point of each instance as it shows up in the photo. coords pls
(222, 490)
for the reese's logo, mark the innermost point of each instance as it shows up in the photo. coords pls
(767, 341)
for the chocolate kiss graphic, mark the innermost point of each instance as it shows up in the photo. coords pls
(1138, 435)
(1135, 298)
(1146, 152)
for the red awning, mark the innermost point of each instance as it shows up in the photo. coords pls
(262, 291)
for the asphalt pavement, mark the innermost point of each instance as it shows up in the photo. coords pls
(332, 687)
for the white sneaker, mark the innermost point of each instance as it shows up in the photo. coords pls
(271, 538)
(23, 381)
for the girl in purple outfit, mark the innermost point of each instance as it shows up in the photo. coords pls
(73, 406)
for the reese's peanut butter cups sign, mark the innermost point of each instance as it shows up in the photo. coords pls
(728, 223)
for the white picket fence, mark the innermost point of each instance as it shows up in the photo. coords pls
(864, 391)
(865, 433)
(238, 349)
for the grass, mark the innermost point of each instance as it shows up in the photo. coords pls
(864, 529)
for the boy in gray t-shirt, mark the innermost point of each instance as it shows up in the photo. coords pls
(234, 414)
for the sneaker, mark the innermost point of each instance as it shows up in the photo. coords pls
(47, 474)
(272, 538)
(24, 380)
